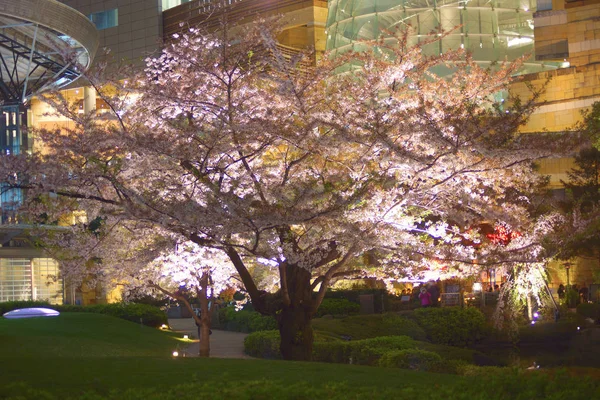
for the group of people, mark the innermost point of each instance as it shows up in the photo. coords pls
(428, 294)
(583, 292)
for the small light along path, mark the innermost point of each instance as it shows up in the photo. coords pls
(223, 344)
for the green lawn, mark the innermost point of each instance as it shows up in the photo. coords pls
(94, 357)
(82, 335)
(79, 351)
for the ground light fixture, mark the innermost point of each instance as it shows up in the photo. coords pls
(186, 337)
(31, 312)
(175, 353)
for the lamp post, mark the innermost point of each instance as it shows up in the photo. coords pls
(567, 268)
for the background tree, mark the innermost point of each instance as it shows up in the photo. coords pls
(141, 259)
(578, 235)
(234, 147)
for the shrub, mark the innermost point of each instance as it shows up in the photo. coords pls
(263, 344)
(245, 321)
(337, 307)
(134, 312)
(452, 325)
(549, 332)
(395, 325)
(361, 352)
(589, 310)
(420, 360)
(380, 297)
(369, 351)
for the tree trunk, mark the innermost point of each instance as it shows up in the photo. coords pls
(203, 321)
(296, 333)
(295, 317)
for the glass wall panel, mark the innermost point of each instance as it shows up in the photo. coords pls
(26, 279)
(494, 30)
(46, 282)
(15, 279)
(105, 19)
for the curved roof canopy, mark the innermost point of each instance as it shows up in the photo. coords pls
(43, 44)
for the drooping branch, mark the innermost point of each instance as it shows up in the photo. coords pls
(178, 297)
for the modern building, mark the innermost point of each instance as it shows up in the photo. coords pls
(493, 31)
(42, 45)
(568, 32)
(559, 36)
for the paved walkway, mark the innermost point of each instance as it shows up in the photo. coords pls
(223, 344)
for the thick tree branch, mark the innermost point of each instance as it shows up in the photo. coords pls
(328, 276)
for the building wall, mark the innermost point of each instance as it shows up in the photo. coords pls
(303, 20)
(139, 30)
(567, 33)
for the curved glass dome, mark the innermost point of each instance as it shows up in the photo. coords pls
(42, 45)
(495, 30)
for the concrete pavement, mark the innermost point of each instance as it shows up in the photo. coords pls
(223, 344)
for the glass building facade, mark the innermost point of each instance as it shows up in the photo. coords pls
(495, 30)
(30, 279)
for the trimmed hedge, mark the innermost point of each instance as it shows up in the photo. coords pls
(420, 360)
(144, 313)
(361, 352)
(337, 307)
(452, 325)
(263, 344)
(245, 321)
(380, 297)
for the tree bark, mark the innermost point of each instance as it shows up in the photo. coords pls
(294, 318)
(203, 321)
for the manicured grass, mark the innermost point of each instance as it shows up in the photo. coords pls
(97, 357)
(82, 335)
(77, 352)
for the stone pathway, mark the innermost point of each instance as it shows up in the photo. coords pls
(223, 344)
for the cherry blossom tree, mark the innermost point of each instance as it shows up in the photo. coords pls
(233, 146)
(204, 271)
(142, 259)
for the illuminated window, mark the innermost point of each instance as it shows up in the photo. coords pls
(30, 279)
(544, 5)
(166, 4)
(105, 19)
